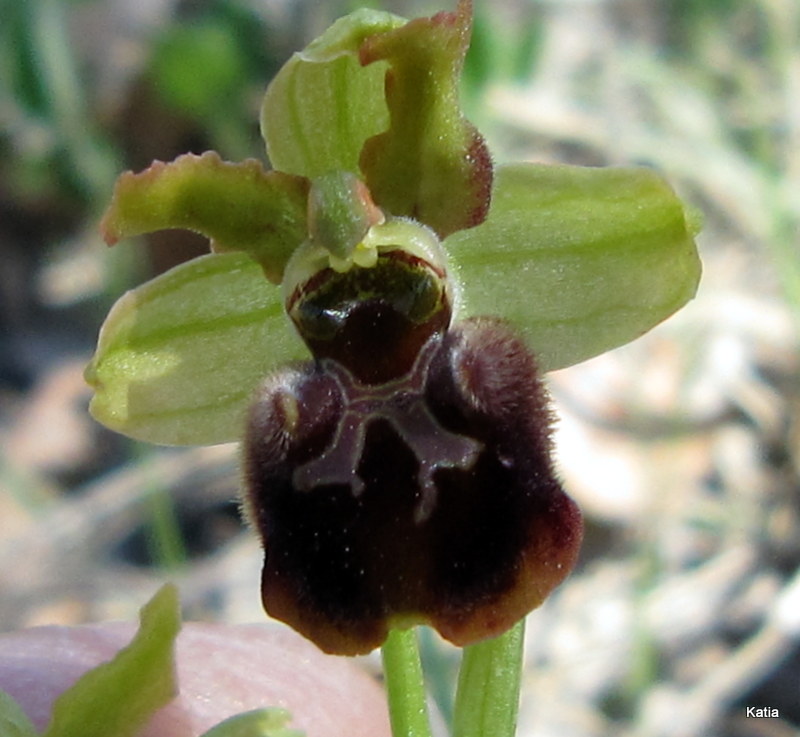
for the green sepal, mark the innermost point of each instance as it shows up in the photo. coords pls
(240, 207)
(14, 721)
(431, 164)
(257, 723)
(178, 357)
(323, 104)
(119, 697)
(582, 260)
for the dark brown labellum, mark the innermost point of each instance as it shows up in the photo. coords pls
(373, 321)
(426, 497)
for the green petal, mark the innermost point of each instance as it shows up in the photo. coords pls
(431, 164)
(13, 720)
(119, 697)
(257, 723)
(582, 260)
(178, 357)
(323, 104)
(240, 207)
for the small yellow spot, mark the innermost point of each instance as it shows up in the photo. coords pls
(363, 255)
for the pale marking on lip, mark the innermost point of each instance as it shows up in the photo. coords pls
(402, 403)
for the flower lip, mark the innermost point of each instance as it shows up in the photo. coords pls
(431, 498)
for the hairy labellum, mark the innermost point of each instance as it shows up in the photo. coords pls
(405, 475)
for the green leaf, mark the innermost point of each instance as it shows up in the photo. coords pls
(119, 697)
(179, 357)
(582, 260)
(431, 164)
(257, 723)
(322, 104)
(240, 207)
(13, 720)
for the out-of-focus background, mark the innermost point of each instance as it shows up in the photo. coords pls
(683, 448)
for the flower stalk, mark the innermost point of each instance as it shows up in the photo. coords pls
(487, 697)
(487, 700)
(405, 686)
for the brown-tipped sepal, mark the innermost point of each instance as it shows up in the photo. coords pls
(431, 164)
(429, 499)
(239, 207)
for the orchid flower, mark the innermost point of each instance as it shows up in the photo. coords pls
(372, 324)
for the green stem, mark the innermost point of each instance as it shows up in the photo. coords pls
(487, 700)
(165, 539)
(408, 709)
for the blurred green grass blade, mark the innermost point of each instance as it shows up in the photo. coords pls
(119, 697)
(18, 57)
(257, 723)
(581, 260)
(13, 720)
(199, 68)
(165, 541)
(91, 161)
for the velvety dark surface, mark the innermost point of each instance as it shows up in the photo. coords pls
(446, 510)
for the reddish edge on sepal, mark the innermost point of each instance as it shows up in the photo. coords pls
(431, 164)
(238, 206)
